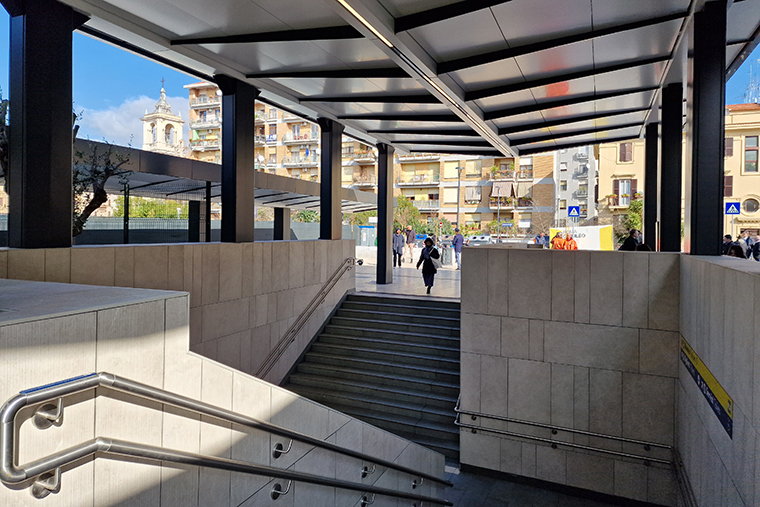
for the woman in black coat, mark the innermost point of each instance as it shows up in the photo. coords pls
(428, 268)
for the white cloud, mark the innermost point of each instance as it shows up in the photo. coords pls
(121, 123)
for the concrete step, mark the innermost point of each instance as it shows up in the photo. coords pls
(430, 302)
(409, 370)
(411, 411)
(372, 306)
(448, 448)
(379, 378)
(364, 323)
(374, 343)
(403, 394)
(402, 337)
(424, 320)
(396, 356)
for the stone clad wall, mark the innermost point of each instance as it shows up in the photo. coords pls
(50, 332)
(579, 340)
(243, 296)
(720, 319)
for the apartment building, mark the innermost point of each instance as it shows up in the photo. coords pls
(575, 175)
(205, 122)
(286, 144)
(359, 165)
(621, 179)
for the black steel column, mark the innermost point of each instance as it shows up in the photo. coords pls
(194, 221)
(208, 212)
(670, 168)
(281, 224)
(39, 183)
(125, 229)
(651, 184)
(238, 116)
(706, 203)
(331, 218)
(384, 213)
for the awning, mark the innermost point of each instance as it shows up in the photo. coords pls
(472, 193)
(501, 189)
(524, 189)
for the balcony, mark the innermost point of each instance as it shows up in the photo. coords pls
(205, 144)
(427, 205)
(524, 202)
(201, 102)
(582, 155)
(581, 173)
(525, 173)
(581, 192)
(311, 161)
(259, 139)
(260, 118)
(206, 123)
(420, 180)
(308, 138)
(290, 118)
(271, 138)
(418, 157)
(367, 156)
(364, 181)
(507, 174)
(502, 203)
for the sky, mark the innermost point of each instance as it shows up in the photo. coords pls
(114, 88)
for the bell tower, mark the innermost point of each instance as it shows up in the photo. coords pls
(162, 129)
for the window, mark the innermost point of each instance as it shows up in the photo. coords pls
(751, 205)
(623, 191)
(729, 147)
(583, 190)
(750, 154)
(626, 152)
(728, 186)
(296, 129)
(563, 166)
(562, 204)
(563, 185)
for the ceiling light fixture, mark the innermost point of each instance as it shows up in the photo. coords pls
(486, 132)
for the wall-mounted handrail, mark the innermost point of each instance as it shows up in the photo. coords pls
(554, 443)
(292, 332)
(40, 396)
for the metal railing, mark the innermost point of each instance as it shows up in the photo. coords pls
(647, 446)
(206, 123)
(418, 179)
(45, 473)
(205, 100)
(290, 335)
(431, 204)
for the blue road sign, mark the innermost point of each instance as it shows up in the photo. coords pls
(574, 211)
(506, 224)
(732, 208)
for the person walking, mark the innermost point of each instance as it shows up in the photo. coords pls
(398, 248)
(726, 246)
(457, 243)
(558, 242)
(755, 248)
(631, 242)
(570, 243)
(749, 242)
(410, 236)
(426, 260)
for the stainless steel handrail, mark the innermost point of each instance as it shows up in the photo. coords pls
(290, 335)
(555, 443)
(40, 396)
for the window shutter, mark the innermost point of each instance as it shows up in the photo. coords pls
(616, 191)
(728, 186)
(729, 147)
(633, 189)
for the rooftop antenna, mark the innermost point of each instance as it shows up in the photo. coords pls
(752, 92)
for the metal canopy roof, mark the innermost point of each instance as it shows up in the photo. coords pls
(429, 75)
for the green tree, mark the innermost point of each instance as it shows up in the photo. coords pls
(305, 215)
(633, 219)
(141, 207)
(406, 213)
(432, 227)
(361, 218)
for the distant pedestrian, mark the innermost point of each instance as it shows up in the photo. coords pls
(736, 251)
(631, 242)
(749, 242)
(570, 243)
(726, 246)
(756, 248)
(558, 242)
(457, 243)
(540, 239)
(426, 260)
(398, 248)
(410, 236)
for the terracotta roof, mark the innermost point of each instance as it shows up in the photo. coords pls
(743, 107)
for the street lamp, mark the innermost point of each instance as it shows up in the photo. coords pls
(459, 194)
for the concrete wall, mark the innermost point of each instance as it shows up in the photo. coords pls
(720, 318)
(243, 296)
(49, 332)
(580, 340)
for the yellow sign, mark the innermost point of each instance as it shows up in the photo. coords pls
(717, 397)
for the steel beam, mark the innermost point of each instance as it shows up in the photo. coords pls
(708, 123)
(474, 144)
(535, 151)
(377, 99)
(443, 13)
(526, 85)
(380, 73)
(384, 213)
(549, 137)
(281, 224)
(331, 217)
(451, 151)
(651, 184)
(238, 188)
(426, 132)
(669, 197)
(526, 127)
(307, 34)
(442, 117)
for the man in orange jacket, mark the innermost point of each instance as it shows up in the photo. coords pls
(570, 243)
(558, 243)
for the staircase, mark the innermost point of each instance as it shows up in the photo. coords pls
(392, 362)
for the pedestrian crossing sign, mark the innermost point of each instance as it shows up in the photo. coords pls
(574, 211)
(732, 208)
